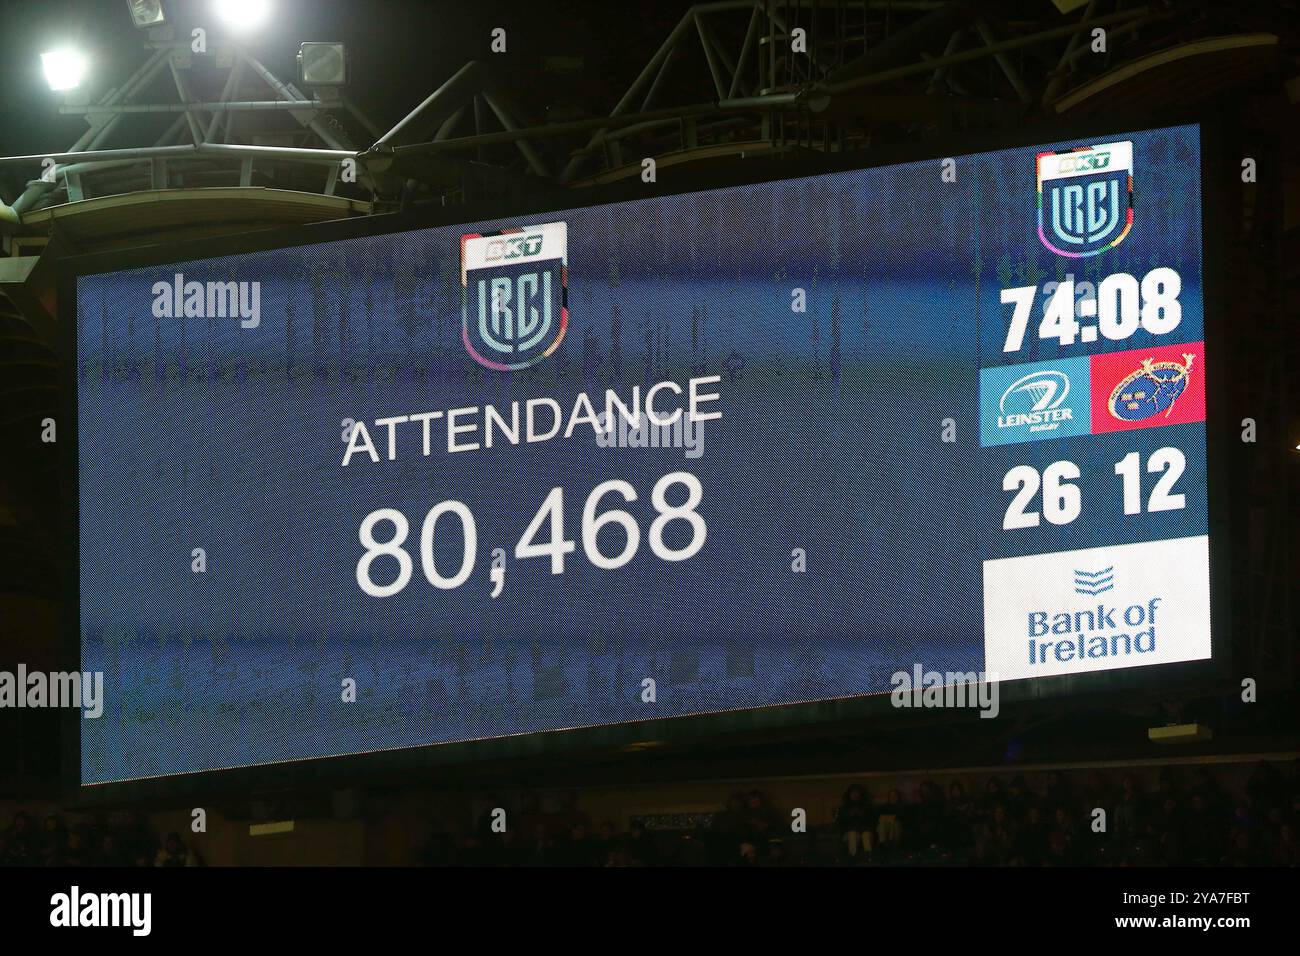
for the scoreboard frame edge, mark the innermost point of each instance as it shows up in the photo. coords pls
(1224, 481)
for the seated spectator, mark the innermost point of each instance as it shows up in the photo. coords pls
(1168, 785)
(544, 850)
(1097, 792)
(175, 853)
(640, 846)
(1060, 851)
(509, 848)
(730, 827)
(1018, 798)
(1203, 846)
(604, 842)
(1030, 842)
(1168, 827)
(54, 841)
(889, 822)
(1062, 838)
(76, 853)
(775, 853)
(570, 814)
(855, 822)
(581, 848)
(534, 825)
(468, 851)
(998, 841)
(961, 812)
(137, 839)
(110, 851)
(993, 795)
(437, 846)
(760, 827)
(1286, 852)
(1206, 786)
(618, 855)
(928, 817)
(1241, 850)
(23, 844)
(1130, 808)
(1265, 788)
(1059, 792)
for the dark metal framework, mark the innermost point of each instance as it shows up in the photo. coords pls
(732, 78)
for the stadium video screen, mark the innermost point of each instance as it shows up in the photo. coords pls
(761, 445)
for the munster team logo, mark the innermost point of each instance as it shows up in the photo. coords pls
(1143, 388)
(1085, 198)
(1151, 390)
(514, 302)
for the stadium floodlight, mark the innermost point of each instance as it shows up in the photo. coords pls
(63, 69)
(146, 13)
(323, 64)
(243, 15)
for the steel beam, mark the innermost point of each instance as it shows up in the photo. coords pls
(183, 90)
(227, 91)
(508, 122)
(966, 56)
(454, 84)
(214, 106)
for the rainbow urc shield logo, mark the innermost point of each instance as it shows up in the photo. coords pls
(1085, 198)
(514, 302)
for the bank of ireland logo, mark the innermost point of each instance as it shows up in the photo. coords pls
(1085, 198)
(514, 294)
(1092, 583)
(1152, 389)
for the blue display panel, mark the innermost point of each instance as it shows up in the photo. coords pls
(763, 445)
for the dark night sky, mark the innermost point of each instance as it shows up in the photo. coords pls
(400, 50)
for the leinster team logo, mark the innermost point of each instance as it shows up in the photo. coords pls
(1085, 198)
(1152, 389)
(514, 302)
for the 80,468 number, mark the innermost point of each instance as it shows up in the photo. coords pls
(550, 513)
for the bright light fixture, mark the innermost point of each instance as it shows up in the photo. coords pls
(146, 13)
(63, 69)
(243, 15)
(322, 64)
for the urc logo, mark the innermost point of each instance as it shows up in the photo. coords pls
(515, 296)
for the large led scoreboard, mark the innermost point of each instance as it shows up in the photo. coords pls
(755, 446)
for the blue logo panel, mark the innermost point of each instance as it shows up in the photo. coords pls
(1086, 214)
(1036, 401)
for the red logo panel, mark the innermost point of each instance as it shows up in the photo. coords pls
(1148, 387)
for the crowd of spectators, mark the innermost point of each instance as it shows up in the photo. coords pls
(1187, 817)
(1182, 816)
(53, 843)
(565, 837)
